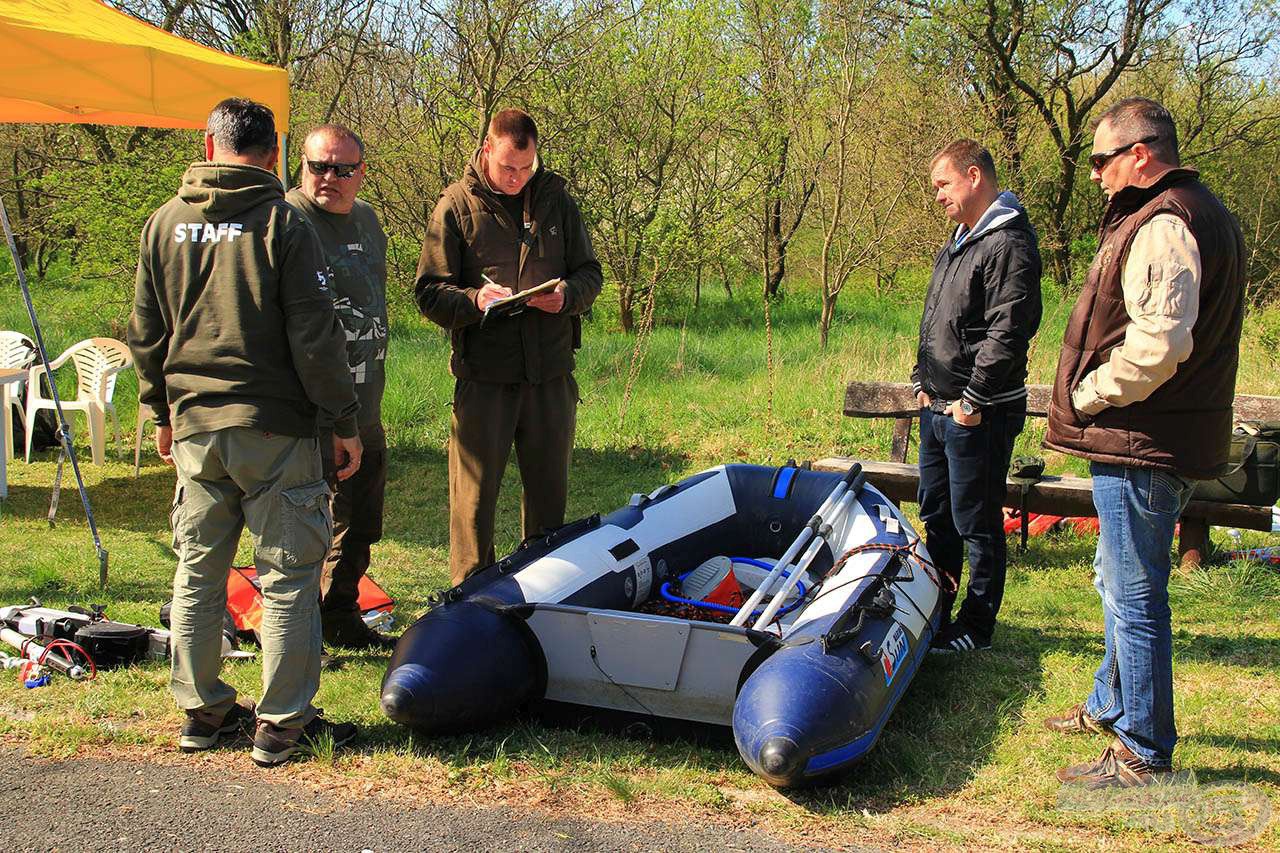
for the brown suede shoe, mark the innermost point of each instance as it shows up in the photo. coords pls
(1075, 721)
(1118, 767)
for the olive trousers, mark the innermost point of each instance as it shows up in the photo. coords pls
(227, 479)
(488, 418)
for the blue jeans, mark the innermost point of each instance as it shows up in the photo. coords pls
(962, 491)
(1133, 688)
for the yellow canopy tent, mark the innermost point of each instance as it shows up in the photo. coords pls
(79, 61)
(82, 62)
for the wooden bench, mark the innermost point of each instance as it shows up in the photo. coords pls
(1053, 495)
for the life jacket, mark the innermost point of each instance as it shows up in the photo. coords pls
(244, 598)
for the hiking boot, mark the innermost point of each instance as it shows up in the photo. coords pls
(1117, 767)
(1076, 721)
(958, 637)
(273, 745)
(203, 731)
(350, 632)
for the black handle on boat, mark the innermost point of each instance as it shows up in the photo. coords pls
(852, 474)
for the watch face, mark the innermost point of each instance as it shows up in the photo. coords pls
(967, 407)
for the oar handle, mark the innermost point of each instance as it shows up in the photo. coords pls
(824, 532)
(806, 533)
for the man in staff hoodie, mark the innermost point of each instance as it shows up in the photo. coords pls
(980, 313)
(239, 353)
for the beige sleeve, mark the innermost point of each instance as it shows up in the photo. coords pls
(1161, 287)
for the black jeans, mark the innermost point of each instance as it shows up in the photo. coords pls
(962, 490)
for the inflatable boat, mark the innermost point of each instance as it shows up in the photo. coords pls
(790, 604)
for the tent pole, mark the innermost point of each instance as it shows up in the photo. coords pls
(284, 160)
(64, 431)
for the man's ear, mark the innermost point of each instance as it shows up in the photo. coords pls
(975, 175)
(208, 146)
(1141, 156)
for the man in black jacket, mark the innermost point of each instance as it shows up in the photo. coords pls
(980, 313)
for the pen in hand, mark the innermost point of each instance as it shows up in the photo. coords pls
(490, 293)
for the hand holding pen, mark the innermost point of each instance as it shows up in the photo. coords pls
(490, 292)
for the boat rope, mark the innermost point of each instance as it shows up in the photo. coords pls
(911, 549)
(901, 553)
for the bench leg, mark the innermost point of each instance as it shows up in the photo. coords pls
(901, 439)
(1193, 542)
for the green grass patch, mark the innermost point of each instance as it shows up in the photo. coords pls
(963, 762)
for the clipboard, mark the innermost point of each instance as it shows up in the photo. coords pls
(515, 303)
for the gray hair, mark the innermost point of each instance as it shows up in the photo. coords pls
(1135, 119)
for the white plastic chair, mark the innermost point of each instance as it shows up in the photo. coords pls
(98, 362)
(17, 352)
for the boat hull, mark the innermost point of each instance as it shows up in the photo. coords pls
(557, 620)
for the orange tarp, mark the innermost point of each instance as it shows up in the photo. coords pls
(79, 61)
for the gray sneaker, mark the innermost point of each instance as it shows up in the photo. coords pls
(201, 732)
(273, 745)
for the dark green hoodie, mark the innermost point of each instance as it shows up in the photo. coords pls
(233, 321)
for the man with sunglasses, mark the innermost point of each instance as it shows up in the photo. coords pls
(1143, 391)
(508, 225)
(356, 250)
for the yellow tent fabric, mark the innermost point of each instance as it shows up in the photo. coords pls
(80, 61)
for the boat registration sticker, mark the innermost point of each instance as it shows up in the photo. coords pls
(893, 651)
(644, 580)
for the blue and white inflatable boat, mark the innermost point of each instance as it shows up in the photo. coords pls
(841, 604)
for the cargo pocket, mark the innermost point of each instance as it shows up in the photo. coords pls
(307, 523)
(175, 520)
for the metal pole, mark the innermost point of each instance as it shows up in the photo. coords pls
(64, 431)
(837, 515)
(846, 482)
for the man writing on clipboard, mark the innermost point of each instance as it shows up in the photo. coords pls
(508, 226)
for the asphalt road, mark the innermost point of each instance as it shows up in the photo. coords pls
(123, 805)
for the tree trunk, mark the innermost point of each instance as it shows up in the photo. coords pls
(626, 306)
(1058, 230)
(828, 314)
(724, 278)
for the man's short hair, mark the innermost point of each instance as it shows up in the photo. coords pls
(1134, 119)
(340, 132)
(242, 126)
(964, 153)
(514, 124)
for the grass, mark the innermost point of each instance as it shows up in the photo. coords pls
(962, 763)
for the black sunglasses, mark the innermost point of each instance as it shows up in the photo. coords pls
(342, 170)
(1099, 160)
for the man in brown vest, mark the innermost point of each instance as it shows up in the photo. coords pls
(1143, 390)
(508, 226)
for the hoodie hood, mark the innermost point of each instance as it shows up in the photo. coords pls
(1003, 211)
(222, 190)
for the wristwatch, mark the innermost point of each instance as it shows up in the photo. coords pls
(967, 407)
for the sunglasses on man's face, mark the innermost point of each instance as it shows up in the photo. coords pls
(1100, 160)
(341, 170)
